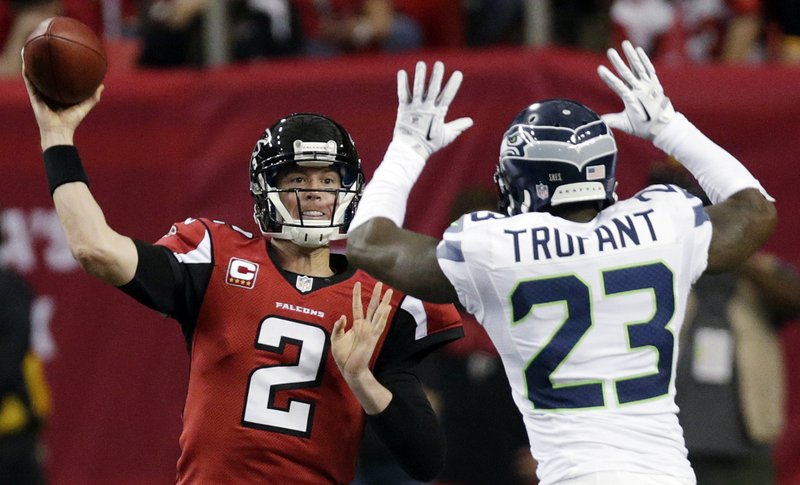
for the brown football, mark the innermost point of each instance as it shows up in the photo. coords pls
(64, 60)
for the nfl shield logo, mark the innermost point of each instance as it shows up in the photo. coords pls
(542, 191)
(304, 283)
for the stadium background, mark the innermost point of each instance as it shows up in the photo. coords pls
(164, 146)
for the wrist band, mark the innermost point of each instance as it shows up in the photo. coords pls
(62, 164)
(386, 195)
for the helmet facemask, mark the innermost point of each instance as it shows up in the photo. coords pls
(273, 156)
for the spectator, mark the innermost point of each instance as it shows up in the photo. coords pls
(25, 16)
(441, 21)
(172, 31)
(490, 22)
(582, 24)
(346, 26)
(743, 32)
(731, 379)
(641, 21)
(730, 31)
(785, 14)
(263, 29)
(24, 394)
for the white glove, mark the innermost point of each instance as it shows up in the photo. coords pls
(647, 109)
(420, 116)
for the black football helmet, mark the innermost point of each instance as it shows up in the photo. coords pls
(556, 152)
(309, 140)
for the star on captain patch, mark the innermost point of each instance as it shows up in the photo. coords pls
(304, 283)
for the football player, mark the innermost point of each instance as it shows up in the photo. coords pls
(582, 295)
(279, 384)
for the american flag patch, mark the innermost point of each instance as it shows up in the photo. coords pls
(596, 172)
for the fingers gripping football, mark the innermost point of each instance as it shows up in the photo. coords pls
(647, 108)
(421, 112)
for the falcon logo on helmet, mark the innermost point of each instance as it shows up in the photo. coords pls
(556, 152)
(307, 140)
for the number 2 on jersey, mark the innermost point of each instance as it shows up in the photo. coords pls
(574, 293)
(265, 382)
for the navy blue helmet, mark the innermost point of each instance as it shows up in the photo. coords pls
(309, 140)
(556, 152)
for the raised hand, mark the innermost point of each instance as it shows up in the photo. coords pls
(57, 127)
(647, 109)
(352, 349)
(420, 113)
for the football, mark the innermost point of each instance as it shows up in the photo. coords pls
(64, 60)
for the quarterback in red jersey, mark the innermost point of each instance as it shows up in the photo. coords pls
(280, 385)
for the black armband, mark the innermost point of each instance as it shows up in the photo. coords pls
(63, 165)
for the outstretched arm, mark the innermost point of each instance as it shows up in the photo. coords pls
(376, 241)
(743, 215)
(100, 250)
(397, 407)
(402, 258)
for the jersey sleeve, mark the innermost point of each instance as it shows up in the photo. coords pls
(691, 222)
(417, 329)
(173, 274)
(453, 256)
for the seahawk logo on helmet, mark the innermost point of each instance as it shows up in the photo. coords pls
(556, 152)
(310, 140)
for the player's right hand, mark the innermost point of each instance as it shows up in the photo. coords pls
(420, 113)
(647, 109)
(57, 126)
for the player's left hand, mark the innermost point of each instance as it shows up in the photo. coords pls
(352, 349)
(647, 109)
(420, 113)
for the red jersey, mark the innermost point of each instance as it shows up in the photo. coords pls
(266, 402)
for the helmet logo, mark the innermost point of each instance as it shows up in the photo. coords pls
(542, 191)
(320, 150)
(265, 139)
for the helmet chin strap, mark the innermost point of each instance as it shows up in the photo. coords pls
(309, 237)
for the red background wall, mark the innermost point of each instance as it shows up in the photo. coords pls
(163, 146)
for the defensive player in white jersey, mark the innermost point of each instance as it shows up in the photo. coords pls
(582, 295)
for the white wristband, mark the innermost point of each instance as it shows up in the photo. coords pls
(387, 193)
(718, 172)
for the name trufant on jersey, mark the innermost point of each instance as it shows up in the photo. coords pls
(549, 242)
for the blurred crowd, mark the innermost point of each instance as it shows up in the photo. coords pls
(174, 33)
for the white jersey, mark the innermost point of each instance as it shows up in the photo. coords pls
(586, 317)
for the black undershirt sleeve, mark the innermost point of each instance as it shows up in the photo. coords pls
(155, 281)
(409, 427)
(167, 286)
